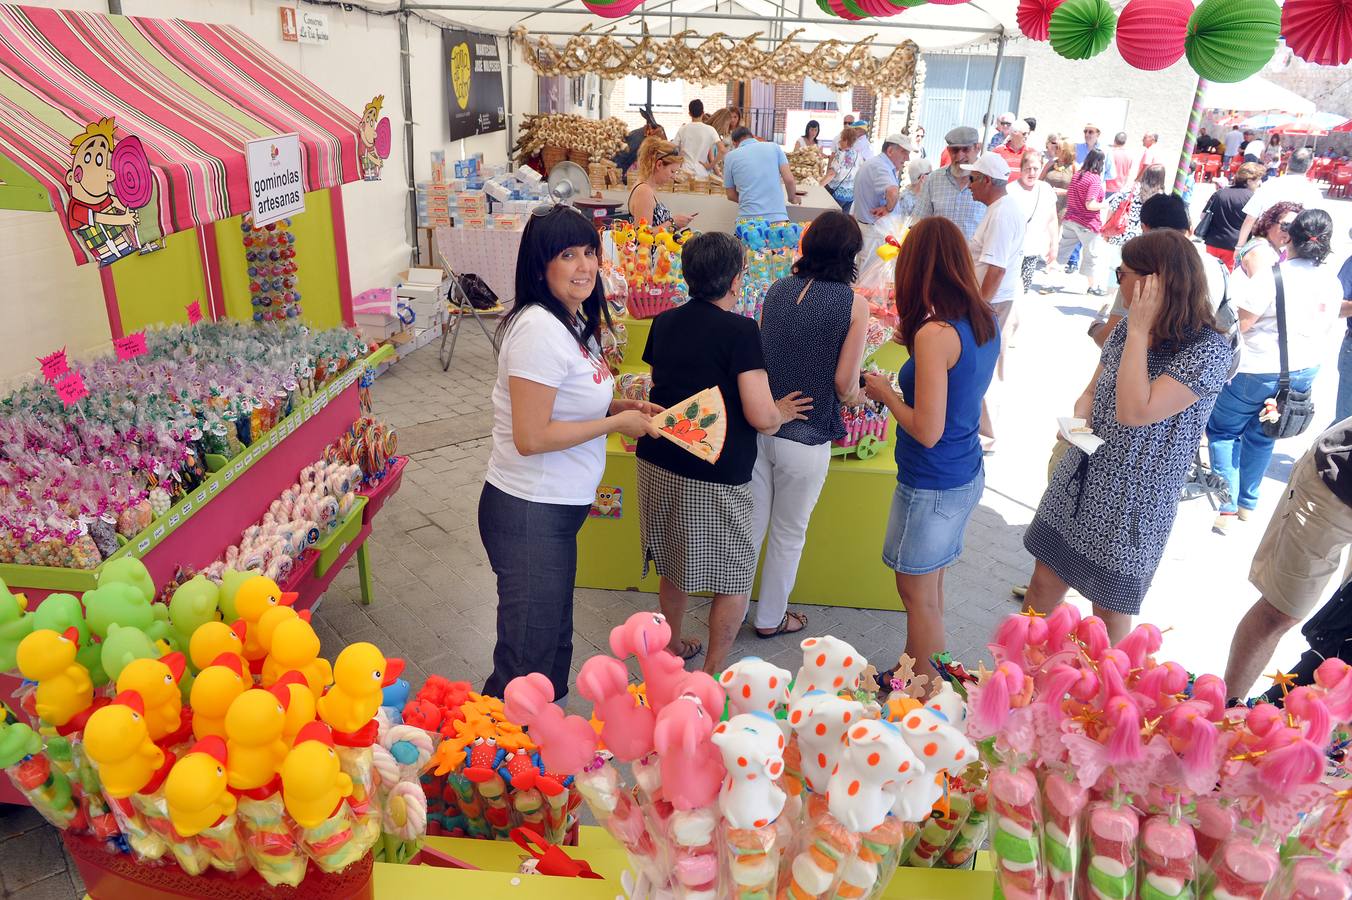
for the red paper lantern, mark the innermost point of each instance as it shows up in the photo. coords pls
(839, 9)
(1033, 17)
(612, 10)
(1319, 31)
(879, 8)
(1150, 33)
(947, 2)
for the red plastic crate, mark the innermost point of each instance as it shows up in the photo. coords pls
(376, 494)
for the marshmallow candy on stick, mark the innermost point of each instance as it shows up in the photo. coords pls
(750, 799)
(1063, 803)
(1311, 878)
(876, 764)
(971, 835)
(815, 867)
(1168, 859)
(940, 831)
(1111, 835)
(1242, 868)
(1020, 871)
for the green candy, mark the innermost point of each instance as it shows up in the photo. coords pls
(1059, 856)
(1015, 849)
(1118, 888)
(1150, 892)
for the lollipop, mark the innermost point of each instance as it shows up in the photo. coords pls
(131, 171)
(383, 141)
(405, 814)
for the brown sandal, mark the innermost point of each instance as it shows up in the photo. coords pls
(784, 626)
(690, 648)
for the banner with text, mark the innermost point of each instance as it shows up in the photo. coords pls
(473, 83)
(276, 182)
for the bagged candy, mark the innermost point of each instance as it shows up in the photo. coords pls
(1016, 839)
(1168, 859)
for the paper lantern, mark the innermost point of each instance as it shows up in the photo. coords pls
(612, 10)
(1229, 40)
(1318, 31)
(838, 8)
(1033, 16)
(1150, 33)
(1080, 29)
(881, 9)
(947, 2)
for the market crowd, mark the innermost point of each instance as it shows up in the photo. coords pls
(1214, 334)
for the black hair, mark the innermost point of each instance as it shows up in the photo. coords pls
(1093, 162)
(1165, 211)
(811, 124)
(696, 108)
(741, 133)
(545, 237)
(829, 248)
(1312, 236)
(711, 261)
(1032, 123)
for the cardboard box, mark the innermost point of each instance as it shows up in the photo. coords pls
(377, 327)
(464, 221)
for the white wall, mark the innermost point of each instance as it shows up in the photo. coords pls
(360, 61)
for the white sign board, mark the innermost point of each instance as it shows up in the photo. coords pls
(276, 182)
(313, 27)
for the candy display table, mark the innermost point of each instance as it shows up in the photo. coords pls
(841, 564)
(498, 861)
(718, 213)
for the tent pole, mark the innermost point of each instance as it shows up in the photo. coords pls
(995, 82)
(1190, 137)
(114, 7)
(407, 81)
(511, 111)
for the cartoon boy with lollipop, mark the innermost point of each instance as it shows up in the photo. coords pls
(94, 213)
(373, 146)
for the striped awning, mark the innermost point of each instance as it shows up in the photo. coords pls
(193, 94)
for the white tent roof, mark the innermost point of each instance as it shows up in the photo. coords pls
(931, 26)
(1256, 94)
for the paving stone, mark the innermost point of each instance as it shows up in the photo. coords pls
(15, 820)
(31, 857)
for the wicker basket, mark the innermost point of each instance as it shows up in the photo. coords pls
(581, 157)
(551, 156)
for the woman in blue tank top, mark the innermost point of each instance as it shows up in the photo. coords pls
(953, 341)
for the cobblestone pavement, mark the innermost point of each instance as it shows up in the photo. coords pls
(434, 593)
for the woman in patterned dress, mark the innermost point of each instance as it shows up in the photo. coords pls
(1104, 519)
(658, 162)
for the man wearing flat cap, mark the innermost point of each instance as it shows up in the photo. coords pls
(946, 193)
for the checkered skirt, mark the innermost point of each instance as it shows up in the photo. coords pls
(696, 533)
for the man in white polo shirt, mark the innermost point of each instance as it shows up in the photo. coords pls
(997, 250)
(1294, 186)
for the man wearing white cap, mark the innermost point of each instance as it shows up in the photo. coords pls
(997, 251)
(877, 185)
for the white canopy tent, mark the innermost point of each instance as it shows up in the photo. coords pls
(1256, 94)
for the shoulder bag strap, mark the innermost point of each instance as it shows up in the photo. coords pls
(1284, 380)
(804, 291)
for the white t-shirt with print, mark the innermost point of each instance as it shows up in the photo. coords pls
(998, 241)
(539, 348)
(695, 140)
(1313, 298)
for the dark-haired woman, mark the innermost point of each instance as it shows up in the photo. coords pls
(1240, 448)
(1104, 519)
(812, 334)
(553, 405)
(953, 341)
(809, 138)
(695, 517)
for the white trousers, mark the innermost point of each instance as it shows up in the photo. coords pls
(785, 484)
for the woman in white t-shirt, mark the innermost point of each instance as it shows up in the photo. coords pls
(553, 405)
(1240, 449)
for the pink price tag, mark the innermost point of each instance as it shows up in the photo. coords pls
(131, 346)
(194, 312)
(71, 389)
(54, 365)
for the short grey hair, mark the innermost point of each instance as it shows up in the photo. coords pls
(918, 168)
(1300, 161)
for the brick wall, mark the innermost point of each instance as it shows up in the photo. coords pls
(787, 97)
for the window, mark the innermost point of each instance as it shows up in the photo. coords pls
(819, 96)
(669, 94)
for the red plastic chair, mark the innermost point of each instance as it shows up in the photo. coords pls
(1339, 181)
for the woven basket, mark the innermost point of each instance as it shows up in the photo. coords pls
(552, 156)
(581, 157)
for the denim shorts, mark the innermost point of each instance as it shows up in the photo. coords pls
(925, 527)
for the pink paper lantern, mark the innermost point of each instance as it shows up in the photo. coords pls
(612, 10)
(839, 9)
(1033, 17)
(1319, 31)
(1150, 33)
(947, 2)
(879, 8)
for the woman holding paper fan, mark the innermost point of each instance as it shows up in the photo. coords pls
(694, 479)
(951, 335)
(1105, 517)
(553, 405)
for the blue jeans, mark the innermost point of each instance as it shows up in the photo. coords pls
(532, 548)
(1240, 449)
(1344, 380)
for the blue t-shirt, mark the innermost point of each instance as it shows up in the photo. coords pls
(1345, 278)
(753, 170)
(956, 459)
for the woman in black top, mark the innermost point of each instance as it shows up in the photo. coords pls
(812, 334)
(695, 516)
(1227, 213)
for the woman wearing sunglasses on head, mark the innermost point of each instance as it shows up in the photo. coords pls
(553, 405)
(658, 162)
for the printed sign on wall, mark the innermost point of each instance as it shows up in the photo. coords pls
(473, 83)
(313, 27)
(276, 182)
(289, 33)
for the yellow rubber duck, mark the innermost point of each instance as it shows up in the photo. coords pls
(156, 680)
(313, 783)
(293, 646)
(64, 687)
(196, 791)
(254, 598)
(253, 737)
(215, 688)
(300, 711)
(358, 675)
(209, 641)
(117, 739)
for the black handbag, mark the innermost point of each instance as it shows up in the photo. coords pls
(1204, 223)
(1295, 409)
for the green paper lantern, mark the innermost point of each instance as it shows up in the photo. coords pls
(1229, 40)
(1080, 29)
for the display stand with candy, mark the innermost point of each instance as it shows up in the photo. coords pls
(270, 251)
(772, 248)
(649, 260)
